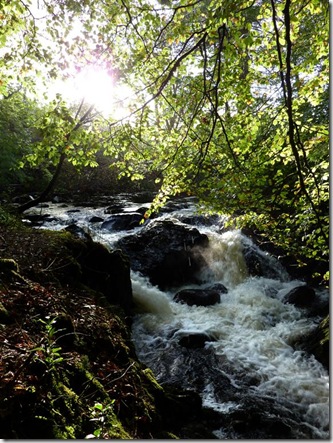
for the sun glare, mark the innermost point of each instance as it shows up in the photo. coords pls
(99, 88)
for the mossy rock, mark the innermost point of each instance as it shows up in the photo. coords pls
(9, 270)
(8, 265)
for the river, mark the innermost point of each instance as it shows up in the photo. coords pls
(248, 358)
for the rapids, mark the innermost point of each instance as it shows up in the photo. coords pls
(252, 331)
(248, 360)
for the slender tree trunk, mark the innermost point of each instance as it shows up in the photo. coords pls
(49, 188)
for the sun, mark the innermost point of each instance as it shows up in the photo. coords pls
(98, 87)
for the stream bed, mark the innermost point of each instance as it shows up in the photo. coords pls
(245, 366)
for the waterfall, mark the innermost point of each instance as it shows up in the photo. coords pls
(251, 332)
(248, 362)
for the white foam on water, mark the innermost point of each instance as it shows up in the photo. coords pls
(253, 328)
(208, 400)
(225, 258)
(253, 332)
(148, 297)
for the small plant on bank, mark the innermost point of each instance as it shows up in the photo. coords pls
(48, 352)
(99, 415)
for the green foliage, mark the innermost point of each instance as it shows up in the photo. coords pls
(17, 117)
(6, 218)
(64, 130)
(100, 413)
(230, 101)
(48, 353)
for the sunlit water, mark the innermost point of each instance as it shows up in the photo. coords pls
(251, 333)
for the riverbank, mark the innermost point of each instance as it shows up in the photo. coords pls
(68, 366)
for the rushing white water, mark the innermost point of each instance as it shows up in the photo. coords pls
(251, 333)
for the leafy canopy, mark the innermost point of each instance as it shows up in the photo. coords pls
(231, 100)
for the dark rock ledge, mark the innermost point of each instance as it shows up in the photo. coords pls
(67, 357)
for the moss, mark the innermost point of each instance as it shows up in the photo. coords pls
(95, 383)
(150, 376)
(9, 270)
(325, 328)
(70, 432)
(115, 428)
(66, 409)
(8, 265)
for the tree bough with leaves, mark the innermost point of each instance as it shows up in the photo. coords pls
(231, 100)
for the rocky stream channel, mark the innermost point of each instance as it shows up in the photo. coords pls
(214, 314)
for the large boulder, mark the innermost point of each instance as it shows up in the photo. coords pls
(305, 297)
(200, 297)
(122, 222)
(260, 264)
(167, 252)
(108, 272)
(195, 340)
(92, 264)
(301, 296)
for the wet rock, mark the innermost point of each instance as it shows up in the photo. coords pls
(36, 219)
(198, 297)
(311, 271)
(143, 197)
(78, 232)
(191, 368)
(73, 211)
(166, 252)
(301, 296)
(260, 264)
(259, 417)
(184, 403)
(122, 222)
(317, 342)
(96, 219)
(204, 220)
(142, 210)
(114, 209)
(197, 340)
(254, 425)
(51, 219)
(219, 287)
(305, 297)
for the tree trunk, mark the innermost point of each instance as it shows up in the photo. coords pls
(44, 195)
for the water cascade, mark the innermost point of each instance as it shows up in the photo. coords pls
(248, 355)
(246, 361)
